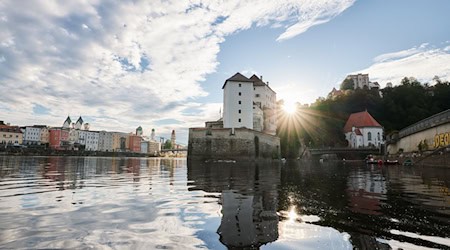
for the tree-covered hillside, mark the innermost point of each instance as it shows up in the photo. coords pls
(321, 123)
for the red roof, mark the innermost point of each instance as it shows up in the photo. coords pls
(359, 120)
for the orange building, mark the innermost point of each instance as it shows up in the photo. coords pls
(58, 138)
(134, 143)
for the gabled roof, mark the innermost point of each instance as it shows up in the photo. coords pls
(360, 120)
(68, 120)
(257, 81)
(238, 77)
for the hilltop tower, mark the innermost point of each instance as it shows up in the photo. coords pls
(173, 139)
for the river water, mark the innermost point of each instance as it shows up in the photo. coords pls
(152, 203)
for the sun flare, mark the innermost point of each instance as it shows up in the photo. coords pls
(290, 108)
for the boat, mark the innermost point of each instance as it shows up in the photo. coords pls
(391, 162)
(408, 162)
(370, 160)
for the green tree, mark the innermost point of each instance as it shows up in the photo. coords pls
(347, 84)
(168, 144)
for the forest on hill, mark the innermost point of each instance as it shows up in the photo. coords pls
(321, 124)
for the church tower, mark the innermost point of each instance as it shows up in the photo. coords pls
(67, 122)
(139, 131)
(152, 136)
(79, 123)
(173, 139)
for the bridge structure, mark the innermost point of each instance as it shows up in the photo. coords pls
(322, 151)
(174, 150)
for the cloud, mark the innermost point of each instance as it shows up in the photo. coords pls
(129, 63)
(422, 62)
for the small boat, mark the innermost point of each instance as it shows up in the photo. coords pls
(391, 162)
(370, 160)
(408, 162)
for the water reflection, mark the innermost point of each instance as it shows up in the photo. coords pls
(249, 199)
(89, 202)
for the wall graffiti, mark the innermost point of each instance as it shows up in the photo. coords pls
(442, 140)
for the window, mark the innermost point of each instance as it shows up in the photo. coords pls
(239, 111)
(369, 136)
(239, 120)
(239, 93)
(240, 85)
(378, 135)
(239, 102)
(257, 95)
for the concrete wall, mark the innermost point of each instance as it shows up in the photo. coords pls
(435, 137)
(221, 144)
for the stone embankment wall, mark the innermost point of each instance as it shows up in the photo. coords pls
(435, 138)
(231, 144)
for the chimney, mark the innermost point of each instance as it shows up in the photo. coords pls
(267, 83)
(260, 77)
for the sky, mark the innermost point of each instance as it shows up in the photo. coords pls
(162, 64)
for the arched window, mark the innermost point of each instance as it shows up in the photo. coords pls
(378, 135)
(369, 136)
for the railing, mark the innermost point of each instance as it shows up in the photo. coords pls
(432, 121)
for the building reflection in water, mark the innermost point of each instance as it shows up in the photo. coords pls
(249, 199)
(365, 190)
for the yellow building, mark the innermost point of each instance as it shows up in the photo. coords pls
(120, 142)
(10, 134)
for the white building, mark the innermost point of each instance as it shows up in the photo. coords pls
(32, 135)
(362, 130)
(89, 139)
(243, 101)
(360, 80)
(105, 141)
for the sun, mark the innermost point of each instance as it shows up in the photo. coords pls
(290, 108)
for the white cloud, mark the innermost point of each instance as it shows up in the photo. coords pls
(422, 62)
(131, 63)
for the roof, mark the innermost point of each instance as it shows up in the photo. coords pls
(358, 132)
(238, 77)
(10, 129)
(360, 120)
(257, 81)
(68, 119)
(80, 120)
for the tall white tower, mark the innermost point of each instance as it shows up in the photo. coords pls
(238, 102)
(173, 139)
(152, 136)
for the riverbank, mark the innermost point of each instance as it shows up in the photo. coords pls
(51, 152)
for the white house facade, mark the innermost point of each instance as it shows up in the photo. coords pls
(105, 141)
(32, 135)
(362, 130)
(89, 139)
(238, 102)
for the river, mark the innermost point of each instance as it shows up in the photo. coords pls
(170, 203)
